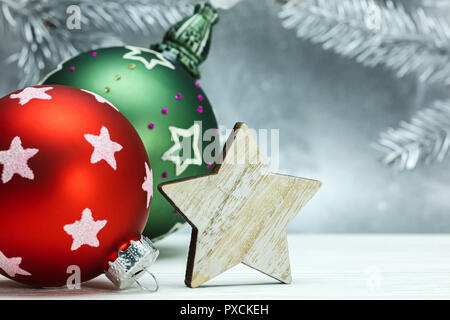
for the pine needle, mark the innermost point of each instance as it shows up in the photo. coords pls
(425, 139)
(41, 27)
(376, 33)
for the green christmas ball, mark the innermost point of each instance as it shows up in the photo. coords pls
(166, 105)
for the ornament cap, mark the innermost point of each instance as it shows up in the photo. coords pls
(189, 40)
(132, 263)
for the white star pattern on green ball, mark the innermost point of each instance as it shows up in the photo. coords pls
(11, 266)
(15, 161)
(136, 54)
(173, 154)
(30, 93)
(84, 231)
(104, 148)
(148, 183)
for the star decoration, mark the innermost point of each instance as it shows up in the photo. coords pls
(239, 213)
(84, 231)
(173, 154)
(136, 54)
(15, 161)
(30, 93)
(11, 266)
(148, 183)
(104, 148)
(100, 99)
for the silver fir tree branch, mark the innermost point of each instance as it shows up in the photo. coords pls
(425, 139)
(376, 33)
(384, 33)
(41, 25)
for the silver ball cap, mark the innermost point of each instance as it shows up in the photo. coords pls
(132, 263)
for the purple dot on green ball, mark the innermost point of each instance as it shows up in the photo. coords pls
(72, 69)
(176, 213)
(179, 96)
(94, 54)
(200, 109)
(164, 175)
(200, 97)
(164, 110)
(197, 84)
(151, 125)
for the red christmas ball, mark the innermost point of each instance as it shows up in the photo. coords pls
(75, 185)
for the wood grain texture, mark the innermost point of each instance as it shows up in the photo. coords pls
(239, 213)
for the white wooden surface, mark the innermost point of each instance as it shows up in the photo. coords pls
(323, 267)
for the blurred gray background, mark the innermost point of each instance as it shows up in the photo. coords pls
(329, 111)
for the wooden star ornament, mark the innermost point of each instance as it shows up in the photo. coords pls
(239, 213)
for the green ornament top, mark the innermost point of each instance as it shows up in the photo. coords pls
(189, 39)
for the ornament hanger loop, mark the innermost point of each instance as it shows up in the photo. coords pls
(147, 289)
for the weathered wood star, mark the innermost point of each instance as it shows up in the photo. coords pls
(239, 213)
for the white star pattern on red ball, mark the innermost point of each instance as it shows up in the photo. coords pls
(104, 148)
(84, 231)
(15, 161)
(11, 266)
(100, 99)
(30, 93)
(148, 183)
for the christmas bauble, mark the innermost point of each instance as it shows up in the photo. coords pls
(162, 99)
(76, 184)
